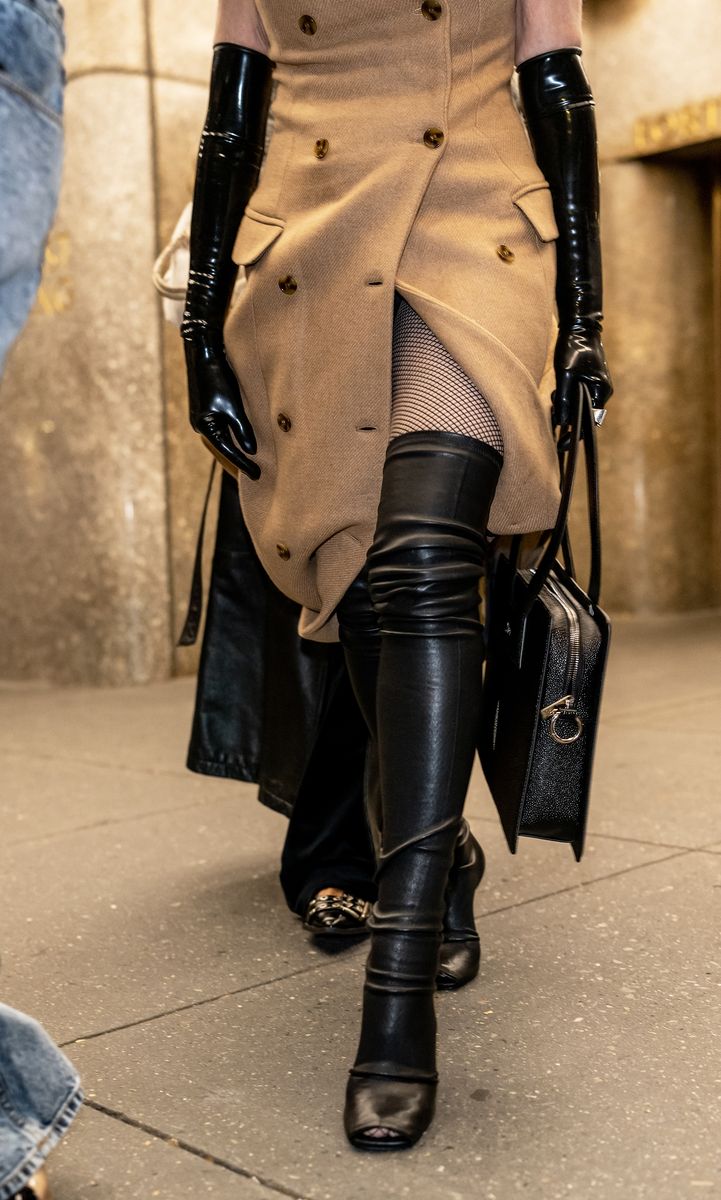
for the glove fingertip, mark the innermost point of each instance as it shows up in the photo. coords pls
(251, 469)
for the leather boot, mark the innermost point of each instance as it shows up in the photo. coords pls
(424, 567)
(460, 954)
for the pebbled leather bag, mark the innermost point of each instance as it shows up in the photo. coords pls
(548, 643)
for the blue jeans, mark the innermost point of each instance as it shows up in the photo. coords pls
(39, 1096)
(39, 1089)
(31, 147)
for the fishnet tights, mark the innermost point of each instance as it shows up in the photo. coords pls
(430, 389)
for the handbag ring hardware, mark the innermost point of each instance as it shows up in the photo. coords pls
(562, 708)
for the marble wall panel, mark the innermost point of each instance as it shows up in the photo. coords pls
(107, 36)
(646, 56)
(84, 577)
(659, 444)
(182, 49)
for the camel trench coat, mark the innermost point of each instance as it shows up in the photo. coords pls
(397, 161)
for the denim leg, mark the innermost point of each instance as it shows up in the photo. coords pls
(39, 1096)
(31, 97)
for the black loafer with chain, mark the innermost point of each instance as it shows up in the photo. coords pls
(337, 916)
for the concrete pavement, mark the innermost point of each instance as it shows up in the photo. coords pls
(143, 923)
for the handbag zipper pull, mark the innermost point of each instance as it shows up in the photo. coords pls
(563, 707)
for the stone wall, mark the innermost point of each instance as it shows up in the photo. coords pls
(102, 476)
(660, 446)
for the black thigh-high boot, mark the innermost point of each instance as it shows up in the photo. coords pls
(360, 635)
(423, 567)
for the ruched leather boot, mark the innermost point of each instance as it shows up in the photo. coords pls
(460, 953)
(424, 567)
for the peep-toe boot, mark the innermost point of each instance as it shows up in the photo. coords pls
(423, 570)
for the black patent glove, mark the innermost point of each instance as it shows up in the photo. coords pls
(229, 158)
(215, 404)
(579, 356)
(559, 110)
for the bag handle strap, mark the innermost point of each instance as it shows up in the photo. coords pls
(582, 428)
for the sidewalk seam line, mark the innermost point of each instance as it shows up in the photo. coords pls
(352, 955)
(189, 1148)
(110, 821)
(584, 883)
(155, 772)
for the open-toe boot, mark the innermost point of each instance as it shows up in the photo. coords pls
(423, 571)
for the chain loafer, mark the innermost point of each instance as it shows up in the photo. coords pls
(337, 916)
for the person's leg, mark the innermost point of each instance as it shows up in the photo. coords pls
(423, 571)
(424, 568)
(430, 391)
(460, 954)
(328, 842)
(40, 1093)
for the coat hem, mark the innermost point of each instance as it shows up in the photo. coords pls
(223, 767)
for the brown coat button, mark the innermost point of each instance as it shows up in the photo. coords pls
(283, 551)
(284, 422)
(321, 147)
(288, 284)
(307, 24)
(505, 253)
(431, 10)
(433, 137)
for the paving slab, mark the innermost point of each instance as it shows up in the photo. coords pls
(661, 659)
(657, 785)
(584, 1061)
(40, 798)
(138, 727)
(698, 717)
(541, 869)
(105, 1159)
(118, 922)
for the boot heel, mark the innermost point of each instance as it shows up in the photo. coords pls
(460, 955)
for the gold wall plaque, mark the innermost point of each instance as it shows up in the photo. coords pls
(686, 126)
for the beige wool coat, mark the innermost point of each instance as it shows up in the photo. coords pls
(397, 161)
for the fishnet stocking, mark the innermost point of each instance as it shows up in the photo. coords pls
(430, 389)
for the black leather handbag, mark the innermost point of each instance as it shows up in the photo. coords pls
(547, 649)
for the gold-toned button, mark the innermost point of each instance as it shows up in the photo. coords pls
(283, 551)
(284, 422)
(307, 24)
(288, 284)
(321, 147)
(433, 137)
(431, 10)
(505, 253)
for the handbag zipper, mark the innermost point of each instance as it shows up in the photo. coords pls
(565, 705)
(574, 638)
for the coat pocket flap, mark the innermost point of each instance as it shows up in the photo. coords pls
(536, 204)
(255, 234)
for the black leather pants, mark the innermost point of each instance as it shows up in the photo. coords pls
(413, 640)
(328, 842)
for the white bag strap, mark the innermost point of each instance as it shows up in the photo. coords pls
(162, 267)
